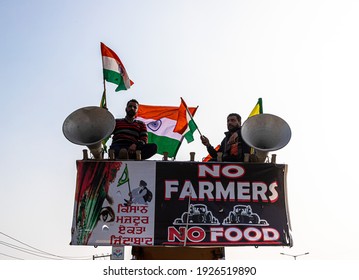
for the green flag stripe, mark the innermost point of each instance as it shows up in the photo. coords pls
(112, 76)
(192, 128)
(164, 144)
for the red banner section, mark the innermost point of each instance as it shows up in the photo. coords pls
(150, 203)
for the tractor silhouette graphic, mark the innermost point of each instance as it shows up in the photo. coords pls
(198, 214)
(242, 214)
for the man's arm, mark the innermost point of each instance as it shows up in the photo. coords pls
(143, 134)
(212, 151)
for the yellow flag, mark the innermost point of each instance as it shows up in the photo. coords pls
(258, 109)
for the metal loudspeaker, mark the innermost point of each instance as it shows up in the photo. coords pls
(265, 133)
(89, 126)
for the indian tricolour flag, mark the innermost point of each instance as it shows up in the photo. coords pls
(185, 123)
(113, 69)
(161, 121)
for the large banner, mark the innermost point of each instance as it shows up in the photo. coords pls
(150, 203)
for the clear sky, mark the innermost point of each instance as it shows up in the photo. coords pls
(301, 57)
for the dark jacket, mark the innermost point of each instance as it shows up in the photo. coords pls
(242, 149)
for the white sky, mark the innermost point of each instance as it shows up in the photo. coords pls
(301, 57)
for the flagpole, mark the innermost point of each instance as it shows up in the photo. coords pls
(104, 101)
(193, 120)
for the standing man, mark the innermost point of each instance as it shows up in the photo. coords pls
(232, 146)
(130, 135)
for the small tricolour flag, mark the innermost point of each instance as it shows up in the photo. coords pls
(113, 69)
(185, 123)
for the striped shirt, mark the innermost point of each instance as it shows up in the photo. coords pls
(126, 132)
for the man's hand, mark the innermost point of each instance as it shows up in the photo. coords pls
(205, 141)
(132, 149)
(233, 139)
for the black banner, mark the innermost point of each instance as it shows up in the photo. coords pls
(221, 204)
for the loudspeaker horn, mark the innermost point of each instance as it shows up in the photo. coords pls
(265, 133)
(89, 126)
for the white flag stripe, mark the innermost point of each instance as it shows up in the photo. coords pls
(165, 129)
(110, 63)
(188, 117)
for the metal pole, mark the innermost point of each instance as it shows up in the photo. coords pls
(294, 256)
